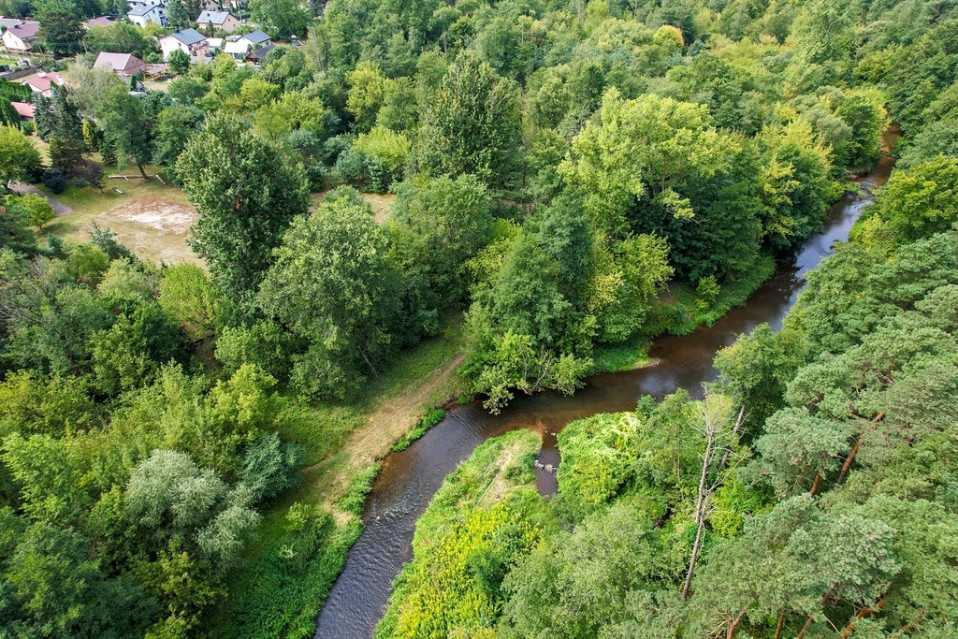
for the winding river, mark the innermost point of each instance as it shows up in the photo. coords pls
(409, 478)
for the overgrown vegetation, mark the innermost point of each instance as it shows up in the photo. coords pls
(570, 179)
(432, 418)
(481, 519)
(816, 471)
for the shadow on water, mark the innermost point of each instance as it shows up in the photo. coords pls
(410, 478)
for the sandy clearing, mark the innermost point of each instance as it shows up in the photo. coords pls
(153, 227)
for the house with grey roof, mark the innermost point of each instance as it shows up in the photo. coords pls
(255, 39)
(142, 13)
(189, 41)
(218, 20)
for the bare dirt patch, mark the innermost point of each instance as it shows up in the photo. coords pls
(381, 204)
(162, 215)
(499, 485)
(153, 227)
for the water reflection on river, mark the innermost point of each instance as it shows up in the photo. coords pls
(410, 478)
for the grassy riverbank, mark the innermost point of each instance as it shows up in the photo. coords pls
(481, 519)
(303, 540)
(679, 311)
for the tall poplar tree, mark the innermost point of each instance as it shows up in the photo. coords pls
(247, 192)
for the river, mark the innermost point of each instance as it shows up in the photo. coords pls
(410, 478)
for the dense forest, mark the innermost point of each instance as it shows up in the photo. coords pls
(809, 494)
(570, 180)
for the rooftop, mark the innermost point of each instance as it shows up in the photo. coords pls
(257, 37)
(42, 81)
(115, 61)
(24, 29)
(213, 17)
(142, 9)
(188, 36)
(101, 21)
(24, 109)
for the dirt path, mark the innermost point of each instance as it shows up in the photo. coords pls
(390, 420)
(58, 207)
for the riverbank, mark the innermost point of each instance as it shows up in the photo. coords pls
(480, 520)
(408, 479)
(302, 543)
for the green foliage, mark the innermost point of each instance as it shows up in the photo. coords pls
(119, 36)
(367, 92)
(15, 235)
(555, 215)
(179, 62)
(290, 576)
(283, 18)
(246, 194)
(187, 295)
(437, 227)
(19, 160)
(131, 352)
(388, 148)
(38, 210)
(355, 497)
(172, 130)
(60, 28)
(794, 185)
(476, 527)
(597, 455)
(342, 303)
(432, 418)
(291, 112)
(125, 126)
(613, 172)
(916, 203)
(472, 125)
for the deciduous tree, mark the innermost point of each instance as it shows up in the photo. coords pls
(247, 192)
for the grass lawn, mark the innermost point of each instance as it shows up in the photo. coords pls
(151, 218)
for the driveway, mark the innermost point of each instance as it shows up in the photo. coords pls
(58, 207)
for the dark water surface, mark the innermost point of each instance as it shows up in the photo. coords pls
(410, 478)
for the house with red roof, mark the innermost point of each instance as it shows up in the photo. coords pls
(41, 82)
(100, 21)
(25, 110)
(125, 64)
(20, 36)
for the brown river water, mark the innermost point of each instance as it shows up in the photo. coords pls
(410, 478)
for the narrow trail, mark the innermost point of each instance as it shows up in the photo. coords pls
(58, 207)
(390, 419)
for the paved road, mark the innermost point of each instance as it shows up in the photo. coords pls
(58, 207)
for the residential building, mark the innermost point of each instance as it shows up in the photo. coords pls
(125, 64)
(100, 21)
(236, 48)
(25, 110)
(189, 41)
(255, 39)
(256, 56)
(143, 13)
(42, 81)
(20, 36)
(218, 20)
